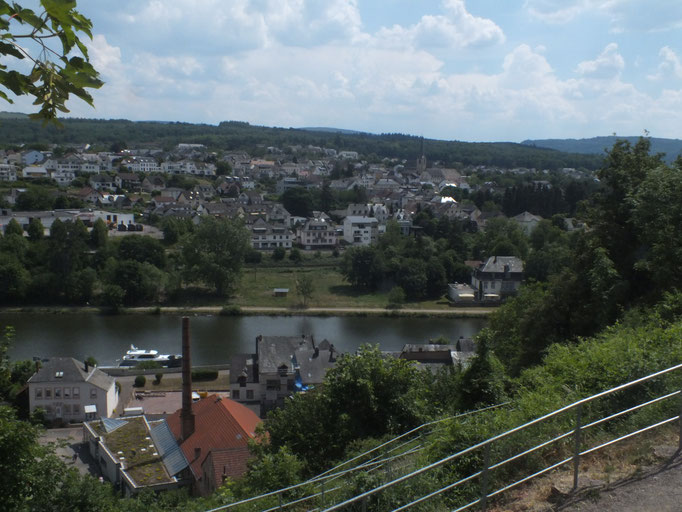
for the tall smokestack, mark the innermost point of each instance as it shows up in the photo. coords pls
(186, 416)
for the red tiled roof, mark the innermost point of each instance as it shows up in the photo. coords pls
(219, 424)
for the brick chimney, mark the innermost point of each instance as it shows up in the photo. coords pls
(186, 415)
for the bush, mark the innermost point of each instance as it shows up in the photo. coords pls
(279, 253)
(295, 255)
(231, 310)
(396, 297)
(253, 256)
(204, 375)
(140, 381)
(158, 377)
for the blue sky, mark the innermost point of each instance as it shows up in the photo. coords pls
(483, 70)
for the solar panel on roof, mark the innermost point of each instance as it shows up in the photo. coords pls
(171, 454)
(111, 424)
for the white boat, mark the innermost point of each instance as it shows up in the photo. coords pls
(135, 356)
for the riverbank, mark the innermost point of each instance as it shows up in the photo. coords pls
(234, 310)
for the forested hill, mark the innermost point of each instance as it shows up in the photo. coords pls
(597, 145)
(234, 135)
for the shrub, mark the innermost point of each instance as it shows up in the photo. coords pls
(396, 297)
(140, 381)
(204, 375)
(279, 253)
(253, 256)
(230, 310)
(295, 255)
(158, 377)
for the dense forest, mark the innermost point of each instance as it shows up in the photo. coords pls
(239, 136)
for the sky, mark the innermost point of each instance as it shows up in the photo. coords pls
(477, 70)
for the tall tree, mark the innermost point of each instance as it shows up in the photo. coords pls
(215, 252)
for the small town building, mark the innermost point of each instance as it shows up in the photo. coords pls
(498, 278)
(69, 390)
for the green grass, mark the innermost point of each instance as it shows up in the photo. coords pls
(330, 290)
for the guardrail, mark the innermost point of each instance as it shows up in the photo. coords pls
(575, 434)
(320, 483)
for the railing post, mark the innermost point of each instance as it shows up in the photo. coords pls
(364, 504)
(279, 496)
(679, 419)
(322, 492)
(484, 477)
(576, 445)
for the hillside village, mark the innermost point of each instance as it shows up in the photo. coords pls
(134, 189)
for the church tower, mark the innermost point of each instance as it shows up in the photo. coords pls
(421, 161)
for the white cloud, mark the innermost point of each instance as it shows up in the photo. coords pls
(623, 15)
(670, 65)
(608, 64)
(456, 29)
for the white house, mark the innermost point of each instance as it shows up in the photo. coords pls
(360, 230)
(270, 236)
(318, 233)
(498, 277)
(70, 390)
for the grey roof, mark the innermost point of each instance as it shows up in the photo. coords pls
(242, 363)
(277, 351)
(498, 263)
(313, 366)
(169, 450)
(71, 370)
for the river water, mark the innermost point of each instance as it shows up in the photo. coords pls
(214, 338)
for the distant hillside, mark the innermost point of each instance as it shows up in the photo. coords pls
(13, 115)
(596, 145)
(234, 135)
(328, 130)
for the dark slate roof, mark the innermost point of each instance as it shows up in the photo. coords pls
(277, 351)
(71, 370)
(313, 365)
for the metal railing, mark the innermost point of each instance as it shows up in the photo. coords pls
(383, 454)
(576, 432)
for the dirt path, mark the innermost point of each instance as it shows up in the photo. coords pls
(656, 489)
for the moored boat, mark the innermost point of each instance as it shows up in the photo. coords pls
(135, 356)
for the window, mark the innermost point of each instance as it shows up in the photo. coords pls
(249, 394)
(93, 393)
(39, 393)
(76, 409)
(235, 394)
(272, 384)
(48, 392)
(67, 409)
(57, 392)
(76, 392)
(67, 392)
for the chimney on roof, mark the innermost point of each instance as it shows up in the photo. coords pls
(87, 366)
(186, 415)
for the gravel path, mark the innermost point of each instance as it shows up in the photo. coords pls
(658, 489)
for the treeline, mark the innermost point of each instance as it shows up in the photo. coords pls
(234, 136)
(75, 266)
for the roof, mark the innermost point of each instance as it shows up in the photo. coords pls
(219, 424)
(526, 217)
(277, 351)
(68, 369)
(169, 450)
(498, 264)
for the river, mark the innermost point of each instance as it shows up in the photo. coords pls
(214, 338)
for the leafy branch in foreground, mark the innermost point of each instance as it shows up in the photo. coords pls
(56, 72)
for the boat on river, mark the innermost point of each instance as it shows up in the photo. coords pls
(135, 356)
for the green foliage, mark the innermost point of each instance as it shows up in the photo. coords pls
(143, 249)
(363, 395)
(305, 288)
(214, 253)
(140, 381)
(158, 377)
(35, 230)
(396, 297)
(91, 361)
(14, 228)
(279, 253)
(148, 365)
(204, 375)
(295, 255)
(50, 82)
